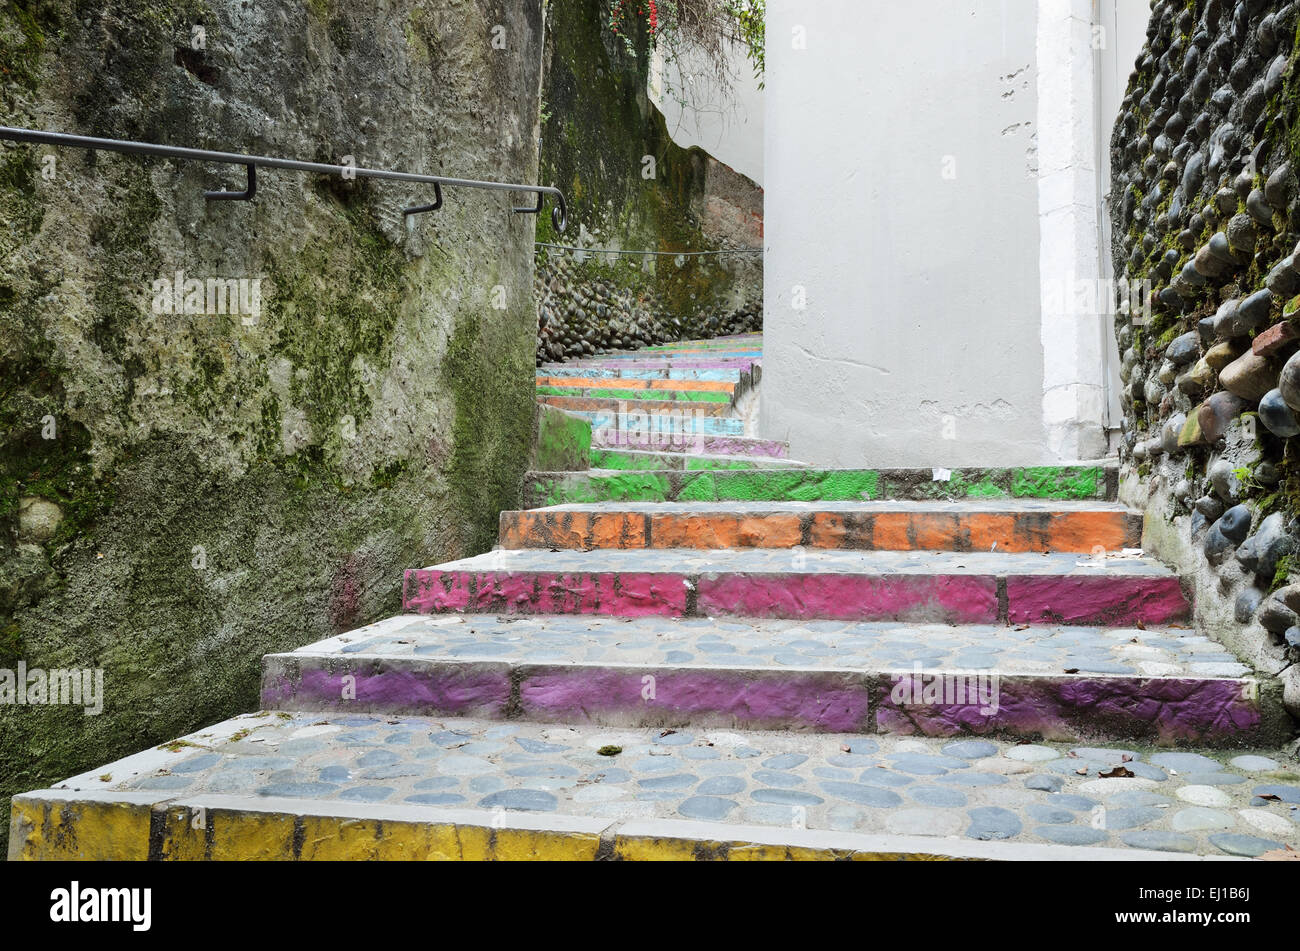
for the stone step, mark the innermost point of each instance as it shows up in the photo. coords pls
(744, 365)
(662, 406)
(687, 353)
(951, 588)
(640, 386)
(1159, 685)
(751, 340)
(636, 396)
(705, 444)
(601, 372)
(297, 785)
(639, 460)
(1011, 525)
(812, 485)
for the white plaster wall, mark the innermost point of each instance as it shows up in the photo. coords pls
(920, 340)
(947, 319)
(726, 123)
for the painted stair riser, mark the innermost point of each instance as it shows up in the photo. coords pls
(706, 444)
(616, 407)
(632, 460)
(890, 531)
(691, 363)
(606, 374)
(646, 388)
(930, 598)
(60, 825)
(666, 430)
(811, 485)
(652, 398)
(1205, 711)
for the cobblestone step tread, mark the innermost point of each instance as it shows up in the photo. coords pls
(950, 794)
(783, 644)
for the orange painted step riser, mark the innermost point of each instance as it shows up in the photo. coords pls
(887, 531)
(618, 383)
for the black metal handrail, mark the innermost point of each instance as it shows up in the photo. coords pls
(559, 214)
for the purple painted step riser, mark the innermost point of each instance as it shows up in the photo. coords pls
(952, 599)
(1055, 708)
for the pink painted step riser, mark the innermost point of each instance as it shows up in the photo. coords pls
(954, 599)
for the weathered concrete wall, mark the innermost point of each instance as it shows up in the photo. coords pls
(631, 187)
(183, 493)
(1206, 208)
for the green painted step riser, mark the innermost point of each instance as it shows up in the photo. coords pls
(818, 485)
(627, 461)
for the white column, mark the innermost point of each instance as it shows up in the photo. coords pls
(1068, 262)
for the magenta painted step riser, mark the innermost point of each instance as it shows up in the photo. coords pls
(1054, 708)
(955, 599)
(627, 595)
(1072, 600)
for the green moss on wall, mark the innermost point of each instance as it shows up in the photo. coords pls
(195, 535)
(599, 146)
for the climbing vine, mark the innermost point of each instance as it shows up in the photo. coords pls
(708, 26)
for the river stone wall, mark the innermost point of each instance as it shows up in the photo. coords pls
(630, 187)
(181, 493)
(1205, 208)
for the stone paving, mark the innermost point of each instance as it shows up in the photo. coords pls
(1238, 804)
(767, 560)
(747, 642)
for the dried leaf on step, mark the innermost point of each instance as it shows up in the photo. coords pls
(1119, 772)
(1284, 854)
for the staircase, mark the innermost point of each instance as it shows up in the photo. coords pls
(701, 649)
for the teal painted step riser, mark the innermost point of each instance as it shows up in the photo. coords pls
(817, 485)
(1058, 708)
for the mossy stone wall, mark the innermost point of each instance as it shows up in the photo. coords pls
(600, 132)
(182, 493)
